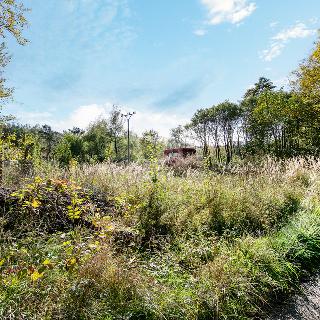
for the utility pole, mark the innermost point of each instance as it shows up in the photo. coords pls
(128, 116)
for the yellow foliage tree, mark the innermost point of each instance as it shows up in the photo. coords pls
(307, 82)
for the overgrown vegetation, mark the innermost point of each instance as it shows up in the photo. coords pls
(198, 246)
(83, 236)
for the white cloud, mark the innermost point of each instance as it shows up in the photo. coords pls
(314, 20)
(233, 11)
(200, 32)
(273, 24)
(159, 121)
(279, 41)
(34, 117)
(274, 51)
(299, 30)
(82, 116)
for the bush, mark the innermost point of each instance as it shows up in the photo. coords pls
(48, 206)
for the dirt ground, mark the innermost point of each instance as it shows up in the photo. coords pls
(302, 306)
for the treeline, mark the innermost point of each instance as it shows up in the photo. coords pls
(104, 140)
(266, 121)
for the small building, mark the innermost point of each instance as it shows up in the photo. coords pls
(179, 152)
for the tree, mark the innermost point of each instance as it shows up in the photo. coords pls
(77, 131)
(199, 127)
(12, 21)
(252, 134)
(259, 87)
(115, 126)
(177, 137)
(5, 93)
(227, 119)
(307, 82)
(97, 140)
(70, 147)
(49, 139)
(151, 144)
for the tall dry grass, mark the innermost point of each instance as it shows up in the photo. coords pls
(195, 244)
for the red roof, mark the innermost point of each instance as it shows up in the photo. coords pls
(183, 151)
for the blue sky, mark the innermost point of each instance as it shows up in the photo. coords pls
(162, 58)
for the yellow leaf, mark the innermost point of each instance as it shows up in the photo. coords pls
(36, 276)
(71, 262)
(37, 180)
(66, 243)
(35, 203)
(2, 262)
(46, 262)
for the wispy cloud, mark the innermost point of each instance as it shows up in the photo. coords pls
(100, 22)
(186, 92)
(273, 51)
(273, 24)
(200, 32)
(279, 41)
(299, 30)
(233, 11)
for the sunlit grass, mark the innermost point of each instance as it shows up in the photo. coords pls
(197, 245)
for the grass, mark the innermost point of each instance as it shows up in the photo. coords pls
(163, 244)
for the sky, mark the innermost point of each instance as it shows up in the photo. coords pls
(163, 59)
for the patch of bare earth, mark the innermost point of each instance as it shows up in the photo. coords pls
(304, 305)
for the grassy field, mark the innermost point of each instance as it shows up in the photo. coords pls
(147, 242)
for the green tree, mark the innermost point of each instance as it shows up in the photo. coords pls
(49, 139)
(178, 137)
(115, 127)
(12, 21)
(307, 82)
(70, 147)
(199, 129)
(151, 144)
(259, 87)
(97, 141)
(253, 134)
(5, 92)
(227, 115)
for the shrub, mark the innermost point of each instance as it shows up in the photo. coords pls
(47, 206)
